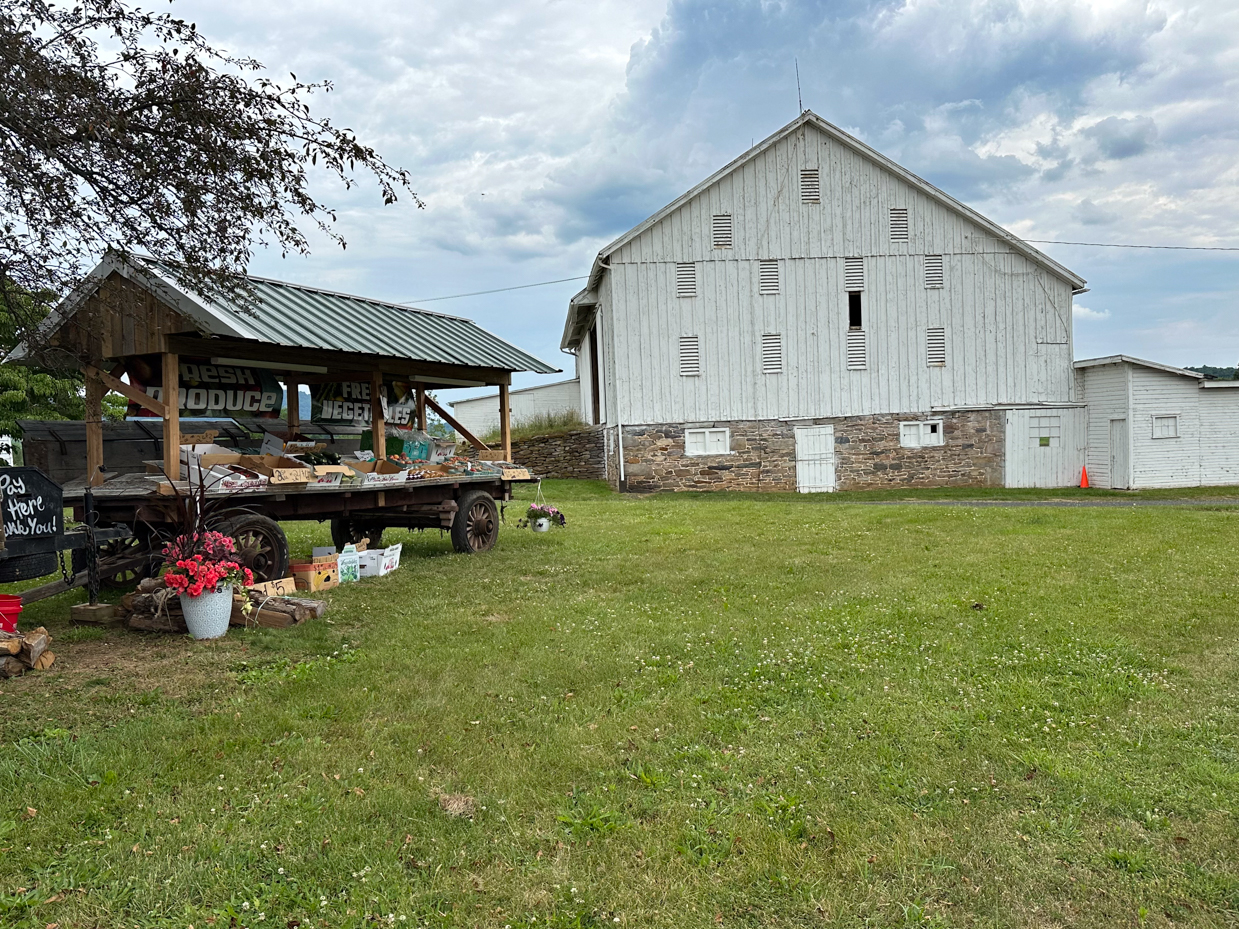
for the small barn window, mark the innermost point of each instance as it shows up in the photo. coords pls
(685, 279)
(690, 356)
(768, 276)
(933, 270)
(707, 442)
(853, 274)
(772, 353)
(857, 357)
(921, 434)
(721, 230)
(1166, 426)
(935, 347)
(855, 320)
(1045, 431)
(899, 225)
(810, 186)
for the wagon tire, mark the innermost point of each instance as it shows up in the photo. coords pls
(127, 579)
(345, 531)
(476, 524)
(261, 545)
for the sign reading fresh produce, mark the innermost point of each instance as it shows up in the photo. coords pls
(209, 390)
(348, 403)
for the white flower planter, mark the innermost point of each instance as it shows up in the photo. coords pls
(207, 615)
(541, 525)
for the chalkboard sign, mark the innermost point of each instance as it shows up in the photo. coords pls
(32, 507)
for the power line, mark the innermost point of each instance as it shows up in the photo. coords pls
(1177, 248)
(497, 290)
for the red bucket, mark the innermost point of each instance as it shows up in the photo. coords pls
(10, 609)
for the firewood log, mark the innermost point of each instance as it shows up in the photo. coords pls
(165, 622)
(10, 643)
(46, 660)
(11, 667)
(34, 644)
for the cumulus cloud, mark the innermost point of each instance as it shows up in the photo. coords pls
(1083, 312)
(1120, 138)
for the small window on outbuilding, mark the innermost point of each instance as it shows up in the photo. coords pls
(921, 434)
(721, 230)
(699, 442)
(1045, 431)
(1166, 426)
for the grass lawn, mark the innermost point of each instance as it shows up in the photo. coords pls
(680, 711)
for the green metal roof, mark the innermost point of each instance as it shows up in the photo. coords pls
(307, 317)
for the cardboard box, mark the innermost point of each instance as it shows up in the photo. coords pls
(514, 474)
(379, 472)
(198, 458)
(278, 470)
(316, 575)
(223, 480)
(274, 445)
(350, 564)
(380, 561)
(330, 475)
(284, 587)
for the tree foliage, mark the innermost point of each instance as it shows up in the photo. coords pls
(126, 129)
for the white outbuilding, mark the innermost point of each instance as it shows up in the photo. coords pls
(1155, 425)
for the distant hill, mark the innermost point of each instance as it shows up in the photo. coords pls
(1222, 374)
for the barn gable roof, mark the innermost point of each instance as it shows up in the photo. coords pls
(572, 333)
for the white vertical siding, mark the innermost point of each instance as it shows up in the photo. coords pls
(1029, 464)
(1219, 435)
(1164, 462)
(1007, 322)
(481, 414)
(1104, 389)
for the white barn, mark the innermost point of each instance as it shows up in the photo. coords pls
(815, 316)
(480, 415)
(1154, 425)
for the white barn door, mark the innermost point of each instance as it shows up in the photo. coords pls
(1045, 447)
(1120, 455)
(815, 459)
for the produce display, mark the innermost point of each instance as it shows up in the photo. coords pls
(319, 458)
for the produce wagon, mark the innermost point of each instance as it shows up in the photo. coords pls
(132, 327)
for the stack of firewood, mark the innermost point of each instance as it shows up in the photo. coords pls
(22, 652)
(153, 607)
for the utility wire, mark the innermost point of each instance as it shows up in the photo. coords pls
(1178, 248)
(497, 290)
(564, 280)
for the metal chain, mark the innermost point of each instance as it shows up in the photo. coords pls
(64, 572)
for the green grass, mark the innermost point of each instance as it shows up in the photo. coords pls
(680, 711)
(540, 424)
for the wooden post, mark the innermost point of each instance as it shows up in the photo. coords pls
(94, 430)
(378, 428)
(505, 423)
(293, 418)
(420, 394)
(172, 415)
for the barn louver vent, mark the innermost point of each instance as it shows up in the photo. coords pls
(853, 274)
(935, 347)
(768, 276)
(857, 355)
(772, 353)
(685, 279)
(690, 356)
(899, 225)
(721, 230)
(933, 270)
(810, 186)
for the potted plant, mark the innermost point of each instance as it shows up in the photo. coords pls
(540, 516)
(200, 567)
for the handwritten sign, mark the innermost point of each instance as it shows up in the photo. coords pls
(33, 504)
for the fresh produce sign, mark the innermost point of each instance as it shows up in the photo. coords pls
(210, 390)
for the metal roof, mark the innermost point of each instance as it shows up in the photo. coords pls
(1141, 362)
(309, 317)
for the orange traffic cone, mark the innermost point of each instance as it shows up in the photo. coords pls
(1084, 476)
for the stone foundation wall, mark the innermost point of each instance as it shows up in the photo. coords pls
(576, 454)
(868, 455)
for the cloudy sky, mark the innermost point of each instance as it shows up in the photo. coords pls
(538, 130)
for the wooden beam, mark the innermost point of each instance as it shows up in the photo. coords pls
(378, 428)
(334, 361)
(94, 428)
(293, 391)
(419, 394)
(468, 436)
(125, 390)
(505, 422)
(172, 416)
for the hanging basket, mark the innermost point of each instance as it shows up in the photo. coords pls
(541, 515)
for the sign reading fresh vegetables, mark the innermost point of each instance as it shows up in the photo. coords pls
(348, 403)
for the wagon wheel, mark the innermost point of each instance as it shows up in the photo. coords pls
(346, 531)
(476, 526)
(261, 546)
(126, 578)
